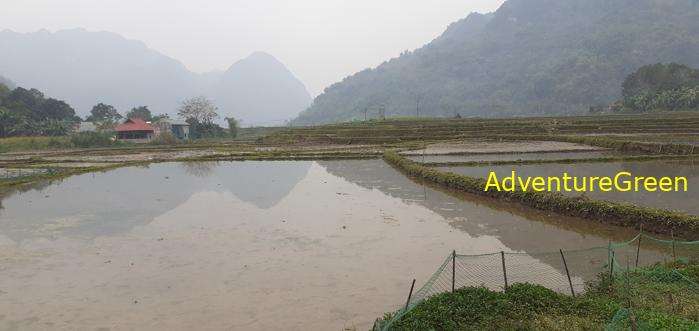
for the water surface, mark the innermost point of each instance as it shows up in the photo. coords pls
(256, 246)
(512, 156)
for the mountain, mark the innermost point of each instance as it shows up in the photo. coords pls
(85, 68)
(530, 57)
(260, 87)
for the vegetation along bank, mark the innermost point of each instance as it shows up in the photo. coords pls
(652, 219)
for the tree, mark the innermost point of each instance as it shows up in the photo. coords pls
(141, 112)
(200, 108)
(22, 98)
(668, 87)
(159, 117)
(204, 130)
(8, 121)
(26, 112)
(53, 109)
(232, 126)
(656, 78)
(4, 92)
(104, 113)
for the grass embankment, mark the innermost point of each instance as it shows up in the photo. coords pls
(59, 173)
(558, 161)
(80, 140)
(17, 144)
(662, 297)
(617, 144)
(652, 219)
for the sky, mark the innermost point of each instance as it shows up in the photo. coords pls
(320, 41)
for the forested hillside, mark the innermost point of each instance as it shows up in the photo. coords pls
(530, 57)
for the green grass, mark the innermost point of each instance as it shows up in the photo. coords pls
(18, 144)
(533, 307)
(623, 214)
(559, 161)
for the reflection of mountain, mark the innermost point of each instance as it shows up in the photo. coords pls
(519, 228)
(97, 204)
(263, 184)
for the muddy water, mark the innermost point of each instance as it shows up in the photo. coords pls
(251, 246)
(680, 201)
(511, 157)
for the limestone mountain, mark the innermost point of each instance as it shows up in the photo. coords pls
(85, 68)
(260, 90)
(530, 57)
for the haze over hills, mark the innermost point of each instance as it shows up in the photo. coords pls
(7, 82)
(530, 57)
(262, 89)
(85, 68)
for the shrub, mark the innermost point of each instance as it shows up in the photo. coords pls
(165, 139)
(656, 220)
(535, 298)
(92, 139)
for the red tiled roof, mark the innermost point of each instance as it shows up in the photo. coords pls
(134, 124)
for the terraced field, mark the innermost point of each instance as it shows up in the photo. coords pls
(426, 195)
(664, 126)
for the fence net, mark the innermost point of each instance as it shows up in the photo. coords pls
(567, 272)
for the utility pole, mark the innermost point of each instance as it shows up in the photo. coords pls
(417, 107)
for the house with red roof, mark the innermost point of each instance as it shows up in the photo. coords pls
(135, 130)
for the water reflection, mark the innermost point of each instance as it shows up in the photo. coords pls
(96, 204)
(199, 169)
(254, 246)
(519, 228)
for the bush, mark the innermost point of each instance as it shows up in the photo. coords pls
(16, 144)
(165, 139)
(656, 220)
(535, 298)
(92, 139)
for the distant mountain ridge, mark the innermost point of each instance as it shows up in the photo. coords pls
(530, 57)
(260, 87)
(85, 68)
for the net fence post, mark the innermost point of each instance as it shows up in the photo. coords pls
(611, 268)
(609, 255)
(407, 303)
(453, 271)
(638, 249)
(504, 269)
(570, 282)
(672, 235)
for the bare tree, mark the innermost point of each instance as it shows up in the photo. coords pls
(199, 108)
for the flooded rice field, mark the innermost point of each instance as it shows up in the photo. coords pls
(254, 245)
(511, 157)
(680, 201)
(491, 147)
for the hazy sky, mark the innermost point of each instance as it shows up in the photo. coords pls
(320, 41)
